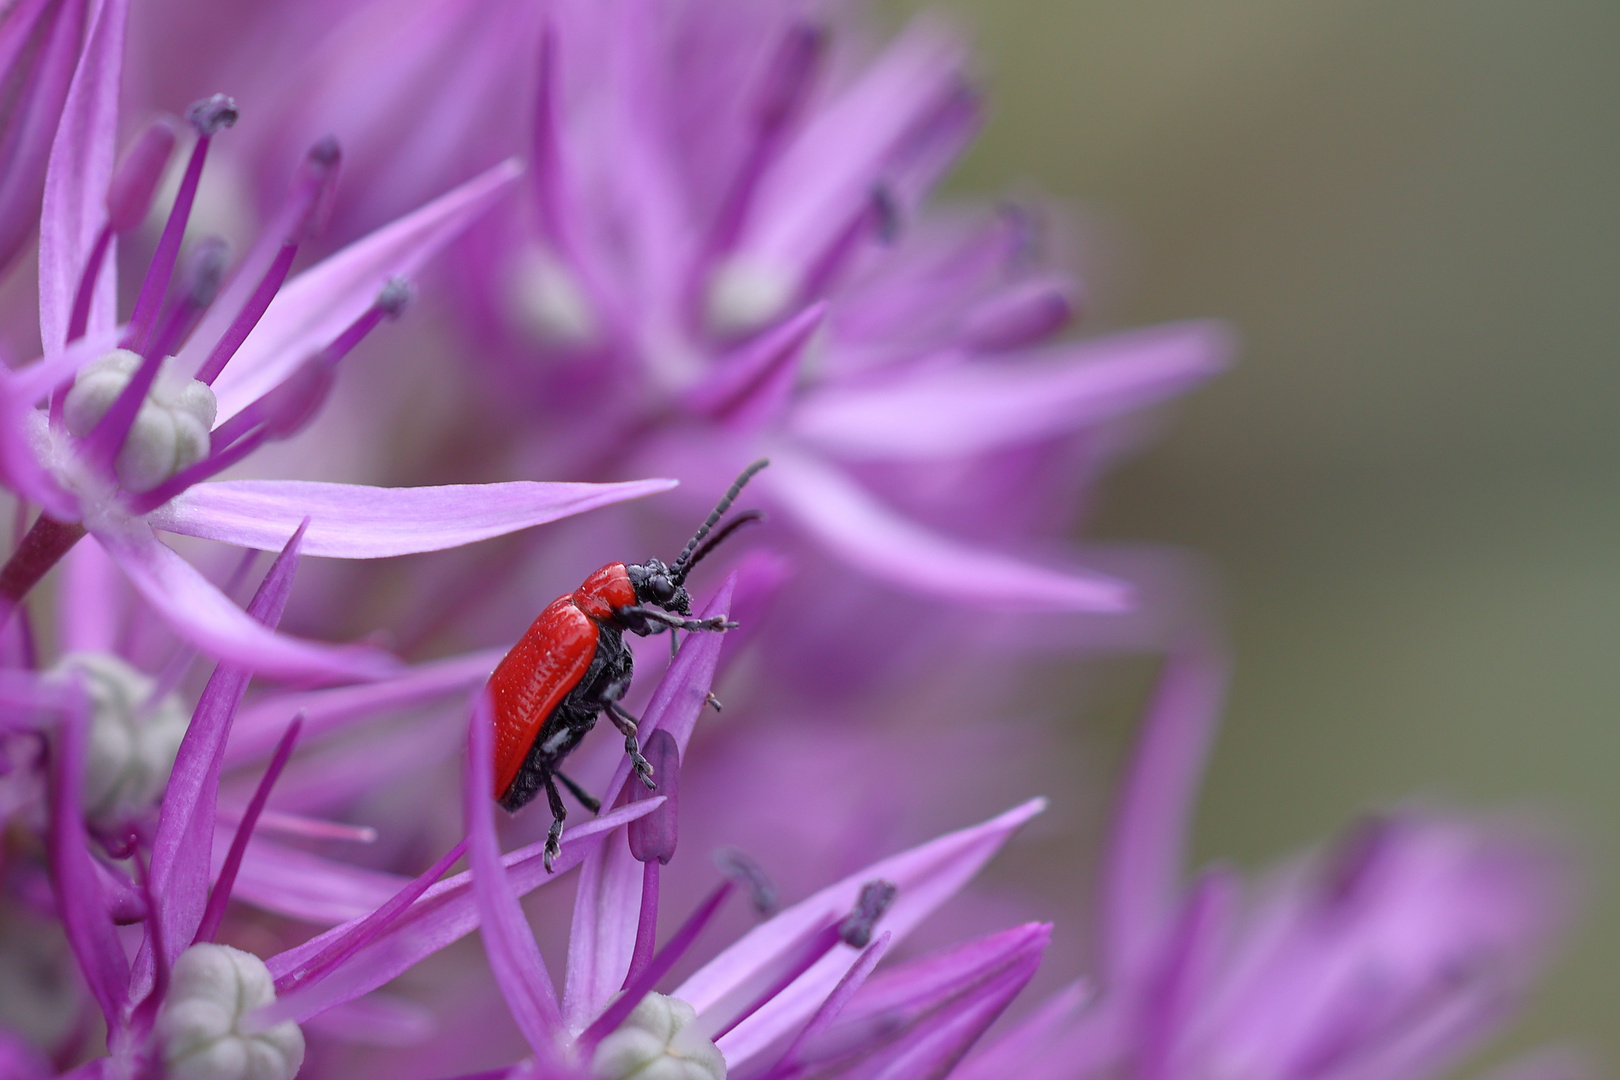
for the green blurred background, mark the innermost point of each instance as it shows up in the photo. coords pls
(1411, 213)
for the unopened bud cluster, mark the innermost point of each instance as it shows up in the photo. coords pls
(171, 429)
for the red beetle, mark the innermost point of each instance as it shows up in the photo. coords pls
(572, 665)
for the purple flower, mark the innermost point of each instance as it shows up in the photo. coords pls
(806, 975)
(727, 253)
(129, 431)
(1390, 955)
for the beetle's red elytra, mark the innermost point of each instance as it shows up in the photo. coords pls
(572, 665)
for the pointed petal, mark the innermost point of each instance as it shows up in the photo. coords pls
(931, 1050)
(76, 181)
(875, 539)
(1018, 1051)
(259, 724)
(205, 617)
(310, 888)
(607, 906)
(183, 846)
(353, 521)
(826, 176)
(314, 307)
(973, 408)
(80, 902)
(750, 388)
(514, 957)
(927, 876)
(1147, 844)
(445, 913)
(38, 49)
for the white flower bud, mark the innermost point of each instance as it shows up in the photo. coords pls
(744, 294)
(658, 1041)
(131, 749)
(170, 430)
(201, 1027)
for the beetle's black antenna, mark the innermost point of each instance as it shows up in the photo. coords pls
(683, 565)
(747, 517)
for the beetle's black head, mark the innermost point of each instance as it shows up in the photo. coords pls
(655, 584)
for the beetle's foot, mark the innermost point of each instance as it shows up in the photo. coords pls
(553, 844)
(714, 702)
(643, 767)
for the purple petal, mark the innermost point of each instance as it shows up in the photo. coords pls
(353, 521)
(1181, 981)
(875, 539)
(974, 408)
(207, 618)
(607, 907)
(1147, 845)
(80, 902)
(750, 388)
(260, 724)
(226, 878)
(314, 307)
(38, 47)
(608, 903)
(1021, 1050)
(514, 957)
(183, 846)
(825, 178)
(932, 1049)
(312, 889)
(21, 467)
(76, 182)
(445, 913)
(927, 876)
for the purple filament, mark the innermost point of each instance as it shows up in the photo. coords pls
(161, 269)
(656, 969)
(367, 929)
(788, 1065)
(647, 923)
(79, 318)
(250, 314)
(215, 912)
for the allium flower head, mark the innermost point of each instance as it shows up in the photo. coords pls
(1392, 954)
(131, 430)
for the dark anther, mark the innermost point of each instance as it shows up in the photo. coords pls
(395, 297)
(741, 868)
(875, 898)
(326, 151)
(205, 269)
(212, 113)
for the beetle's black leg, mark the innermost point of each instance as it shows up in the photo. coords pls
(674, 641)
(588, 801)
(678, 622)
(713, 701)
(627, 724)
(559, 813)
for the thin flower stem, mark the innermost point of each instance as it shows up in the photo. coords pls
(42, 548)
(647, 924)
(161, 268)
(215, 912)
(250, 314)
(80, 317)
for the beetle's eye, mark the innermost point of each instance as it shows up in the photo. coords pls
(662, 590)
